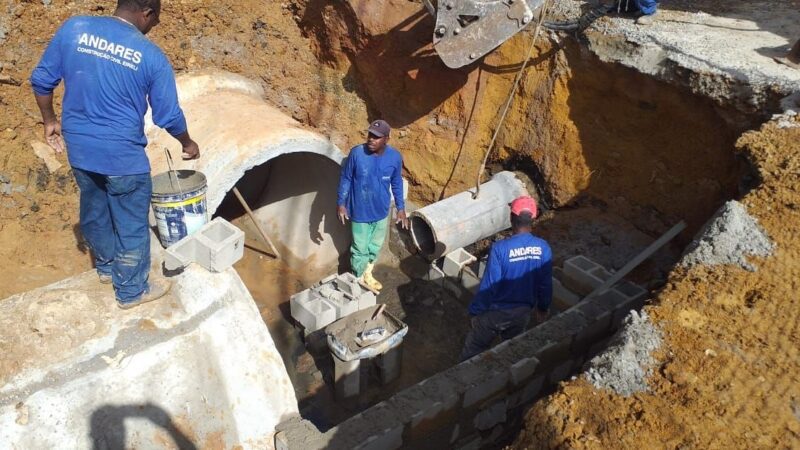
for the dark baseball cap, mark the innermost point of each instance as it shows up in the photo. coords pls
(379, 128)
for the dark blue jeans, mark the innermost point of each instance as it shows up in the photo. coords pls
(114, 223)
(505, 323)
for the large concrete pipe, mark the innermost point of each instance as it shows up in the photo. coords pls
(287, 173)
(460, 220)
(198, 367)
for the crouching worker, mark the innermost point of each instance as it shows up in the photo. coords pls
(517, 281)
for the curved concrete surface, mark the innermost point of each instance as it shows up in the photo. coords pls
(240, 135)
(198, 367)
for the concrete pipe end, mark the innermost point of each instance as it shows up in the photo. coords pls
(424, 237)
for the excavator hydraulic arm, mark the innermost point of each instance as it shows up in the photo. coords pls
(468, 29)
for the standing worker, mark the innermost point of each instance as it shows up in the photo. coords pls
(369, 172)
(517, 279)
(111, 71)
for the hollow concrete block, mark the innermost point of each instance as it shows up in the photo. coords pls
(311, 311)
(522, 370)
(216, 246)
(387, 439)
(470, 281)
(495, 382)
(491, 416)
(389, 363)
(435, 274)
(560, 372)
(347, 377)
(563, 298)
(455, 261)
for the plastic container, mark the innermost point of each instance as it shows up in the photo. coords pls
(179, 204)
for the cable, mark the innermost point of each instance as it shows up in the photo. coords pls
(508, 101)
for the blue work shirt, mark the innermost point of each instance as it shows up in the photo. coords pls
(110, 70)
(365, 182)
(518, 272)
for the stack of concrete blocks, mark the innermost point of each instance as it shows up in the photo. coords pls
(469, 405)
(347, 374)
(216, 246)
(331, 299)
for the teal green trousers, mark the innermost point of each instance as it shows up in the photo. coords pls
(367, 242)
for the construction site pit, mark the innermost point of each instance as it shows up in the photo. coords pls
(655, 154)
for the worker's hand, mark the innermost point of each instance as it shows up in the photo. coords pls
(52, 135)
(402, 219)
(539, 316)
(191, 150)
(342, 212)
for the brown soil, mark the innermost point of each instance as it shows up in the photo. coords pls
(727, 375)
(585, 131)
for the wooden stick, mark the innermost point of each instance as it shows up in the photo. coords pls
(258, 226)
(632, 264)
(378, 311)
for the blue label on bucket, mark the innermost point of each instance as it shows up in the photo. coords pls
(177, 218)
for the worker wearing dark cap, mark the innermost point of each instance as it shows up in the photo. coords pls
(371, 175)
(517, 281)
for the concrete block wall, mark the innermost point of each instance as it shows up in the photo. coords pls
(472, 404)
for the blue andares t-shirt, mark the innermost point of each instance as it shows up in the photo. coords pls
(366, 180)
(110, 71)
(518, 272)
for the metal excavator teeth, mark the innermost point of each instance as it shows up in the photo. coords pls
(468, 29)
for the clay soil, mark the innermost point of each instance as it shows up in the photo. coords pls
(585, 131)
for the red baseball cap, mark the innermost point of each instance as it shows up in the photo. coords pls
(523, 204)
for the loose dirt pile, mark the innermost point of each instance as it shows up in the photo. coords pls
(727, 373)
(627, 362)
(729, 238)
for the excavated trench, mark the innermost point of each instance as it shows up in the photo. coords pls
(616, 157)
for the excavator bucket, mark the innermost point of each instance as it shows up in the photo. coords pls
(468, 29)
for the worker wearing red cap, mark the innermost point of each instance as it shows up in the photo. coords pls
(371, 176)
(517, 281)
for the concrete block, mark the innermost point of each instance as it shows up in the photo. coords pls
(563, 298)
(531, 390)
(560, 372)
(435, 274)
(482, 267)
(631, 290)
(601, 273)
(216, 246)
(598, 326)
(578, 277)
(453, 285)
(523, 370)
(597, 347)
(486, 388)
(491, 416)
(389, 364)
(554, 351)
(470, 281)
(311, 311)
(455, 261)
(347, 377)
(367, 299)
(388, 439)
(469, 444)
(348, 283)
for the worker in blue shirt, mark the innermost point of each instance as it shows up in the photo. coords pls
(111, 72)
(517, 279)
(371, 175)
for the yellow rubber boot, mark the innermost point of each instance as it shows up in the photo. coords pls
(370, 280)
